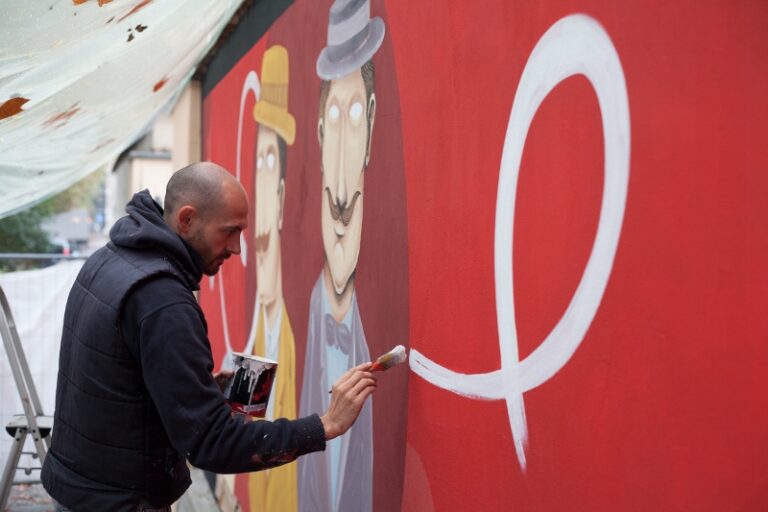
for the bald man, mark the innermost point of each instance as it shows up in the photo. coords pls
(135, 396)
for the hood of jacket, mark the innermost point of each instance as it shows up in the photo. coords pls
(144, 229)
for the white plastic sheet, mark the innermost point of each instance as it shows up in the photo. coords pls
(81, 80)
(37, 299)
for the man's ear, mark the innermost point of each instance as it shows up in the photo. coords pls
(185, 218)
(371, 119)
(281, 200)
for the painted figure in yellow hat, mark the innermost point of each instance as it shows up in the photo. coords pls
(271, 334)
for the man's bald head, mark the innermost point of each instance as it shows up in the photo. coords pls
(207, 207)
(200, 185)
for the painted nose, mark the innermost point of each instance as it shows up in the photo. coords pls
(341, 192)
(341, 185)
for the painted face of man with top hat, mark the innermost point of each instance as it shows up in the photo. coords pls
(345, 129)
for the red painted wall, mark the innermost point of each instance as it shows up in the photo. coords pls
(662, 405)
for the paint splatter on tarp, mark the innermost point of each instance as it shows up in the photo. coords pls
(12, 107)
(62, 118)
(135, 9)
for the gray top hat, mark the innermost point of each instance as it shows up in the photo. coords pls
(353, 38)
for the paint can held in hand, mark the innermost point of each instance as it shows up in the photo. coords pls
(248, 390)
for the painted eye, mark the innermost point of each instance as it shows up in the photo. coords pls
(271, 161)
(259, 163)
(333, 112)
(355, 111)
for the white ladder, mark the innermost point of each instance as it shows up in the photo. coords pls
(33, 422)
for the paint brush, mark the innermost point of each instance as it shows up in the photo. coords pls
(386, 361)
(395, 356)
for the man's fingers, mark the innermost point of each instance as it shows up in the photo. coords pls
(363, 396)
(361, 385)
(349, 374)
(352, 386)
(351, 377)
(357, 395)
(349, 395)
(222, 377)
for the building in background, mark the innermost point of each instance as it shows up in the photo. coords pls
(172, 142)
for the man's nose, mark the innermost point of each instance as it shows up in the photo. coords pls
(234, 245)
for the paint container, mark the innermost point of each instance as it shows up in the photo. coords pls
(248, 390)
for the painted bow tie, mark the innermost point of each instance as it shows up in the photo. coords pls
(337, 335)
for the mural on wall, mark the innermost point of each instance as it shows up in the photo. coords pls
(271, 335)
(558, 208)
(341, 277)
(341, 477)
(574, 45)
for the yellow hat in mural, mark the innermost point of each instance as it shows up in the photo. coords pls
(272, 108)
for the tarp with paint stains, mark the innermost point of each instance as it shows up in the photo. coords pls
(81, 80)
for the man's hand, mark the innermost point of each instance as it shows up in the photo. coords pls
(347, 398)
(222, 378)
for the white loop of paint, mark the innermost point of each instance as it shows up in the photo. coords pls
(574, 45)
(243, 250)
(251, 84)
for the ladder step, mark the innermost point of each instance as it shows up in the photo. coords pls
(44, 423)
(28, 470)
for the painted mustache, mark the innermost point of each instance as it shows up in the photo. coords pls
(262, 242)
(344, 211)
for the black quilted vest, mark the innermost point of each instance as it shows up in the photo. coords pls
(109, 449)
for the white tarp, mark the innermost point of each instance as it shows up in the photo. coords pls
(81, 80)
(37, 299)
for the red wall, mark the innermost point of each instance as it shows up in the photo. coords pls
(662, 406)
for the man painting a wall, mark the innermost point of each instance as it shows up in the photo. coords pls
(135, 350)
(342, 480)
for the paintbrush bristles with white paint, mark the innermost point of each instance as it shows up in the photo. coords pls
(395, 356)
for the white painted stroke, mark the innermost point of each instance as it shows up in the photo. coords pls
(574, 45)
(253, 85)
(250, 85)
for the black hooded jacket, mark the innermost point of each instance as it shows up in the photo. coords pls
(135, 396)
